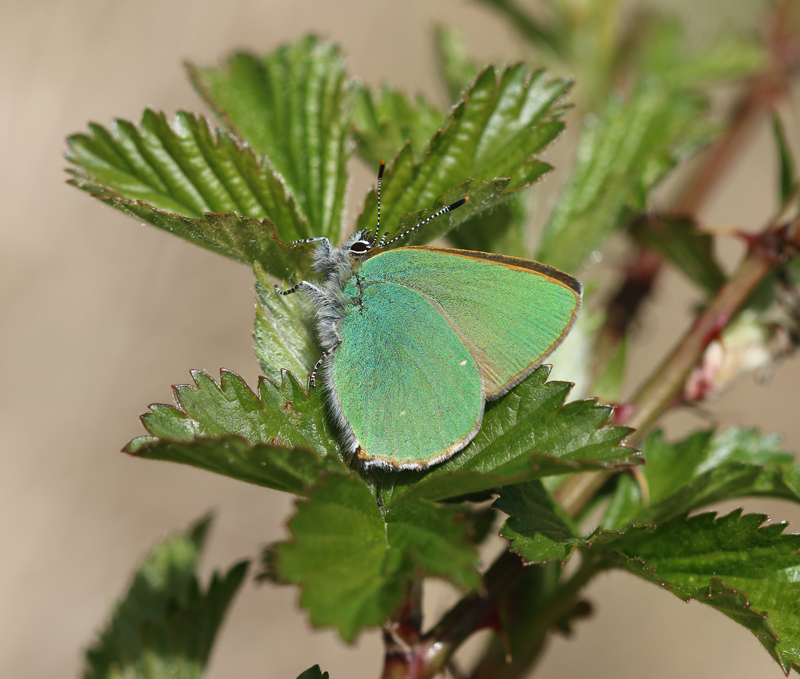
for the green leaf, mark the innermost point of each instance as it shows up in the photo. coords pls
(727, 57)
(679, 241)
(538, 531)
(493, 136)
(353, 563)
(313, 673)
(292, 470)
(283, 331)
(385, 119)
(529, 433)
(622, 155)
(704, 469)
(455, 66)
(608, 385)
(291, 105)
(503, 229)
(786, 172)
(539, 34)
(734, 564)
(195, 182)
(165, 625)
(279, 438)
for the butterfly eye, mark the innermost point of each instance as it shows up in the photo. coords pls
(360, 247)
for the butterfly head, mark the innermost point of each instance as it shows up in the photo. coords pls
(360, 243)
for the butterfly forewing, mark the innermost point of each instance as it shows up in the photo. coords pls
(510, 313)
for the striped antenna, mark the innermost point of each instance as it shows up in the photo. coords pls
(438, 213)
(380, 181)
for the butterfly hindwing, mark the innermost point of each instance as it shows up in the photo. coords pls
(406, 389)
(511, 313)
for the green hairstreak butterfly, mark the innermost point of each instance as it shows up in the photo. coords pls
(417, 339)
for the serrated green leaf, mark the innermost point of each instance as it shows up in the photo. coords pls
(194, 182)
(353, 563)
(734, 564)
(503, 229)
(455, 66)
(283, 331)
(279, 438)
(292, 106)
(385, 119)
(622, 155)
(786, 174)
(537, 530)
(704, 469)
(679, 241)
(492, 136)
(292, 470)
(313, 673)
(538, 33)
(529, 433)
(165, 625)
(727, 57)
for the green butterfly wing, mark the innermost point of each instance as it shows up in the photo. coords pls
(510, 313)
(405, 389)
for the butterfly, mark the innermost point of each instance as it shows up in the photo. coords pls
(417, 339)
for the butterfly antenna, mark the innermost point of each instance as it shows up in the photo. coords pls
(378, 225)
(438, 213)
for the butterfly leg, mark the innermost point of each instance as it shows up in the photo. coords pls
(296, 287)
(313, 378)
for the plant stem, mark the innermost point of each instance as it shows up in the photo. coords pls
(532, 638)
(431, 653)
(760, 95)
(641, 274)
(664, 389)
(665, 386)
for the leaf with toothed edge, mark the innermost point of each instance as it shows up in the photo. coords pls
(166, 623)
(385, 119)
(537, 530)
(504, 121)
(353, 563)
(292, 105)
(279, 438)
(702, 469)
(622, 155)
(528, 433)
(733, 563)
(292, 470)
(455, 66)
(313, 673)
(196, 183)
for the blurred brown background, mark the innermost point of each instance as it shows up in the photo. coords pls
(100, 315)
